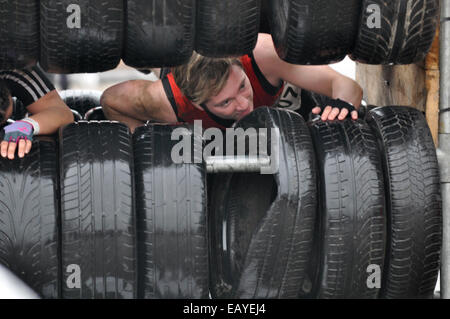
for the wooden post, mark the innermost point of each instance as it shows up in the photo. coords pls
(386, 85)
(415, 85)
(432, 86)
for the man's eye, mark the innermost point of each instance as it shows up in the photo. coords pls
(242, 86)
(225, 103)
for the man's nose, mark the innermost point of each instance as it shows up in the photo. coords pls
(242, 103)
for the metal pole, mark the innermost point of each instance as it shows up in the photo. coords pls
(236, 164)
(443, 151)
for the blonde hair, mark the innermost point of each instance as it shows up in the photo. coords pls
(203, 77)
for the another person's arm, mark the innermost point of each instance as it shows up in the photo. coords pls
(134, 102)
(47, 110)
(48, 114)
(319, 79)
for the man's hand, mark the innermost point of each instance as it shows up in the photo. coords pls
(19, 132)
(336, 108)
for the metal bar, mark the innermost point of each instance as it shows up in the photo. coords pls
(444, 145)
(236, 164)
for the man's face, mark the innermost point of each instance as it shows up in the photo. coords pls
(236, 98)
(8, 111)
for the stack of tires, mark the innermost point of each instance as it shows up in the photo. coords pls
(353, 210)
(98, 213)
(81, 36)
(68, 36)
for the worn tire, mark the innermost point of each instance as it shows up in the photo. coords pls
(264, 25)
(413, 201)
(159, 33)
(227, 28)
(29, 217)
(269, 230)
(95, 114)
(76, 116)
(351, 223)
(94, 47)
(81, 100)
(19, 34)
(19, 111)
(241, 211)
(405, 33)
(171, 210)
(98, 224)
(313, 32)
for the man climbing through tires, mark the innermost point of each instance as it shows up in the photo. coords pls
(46, 108)
(221, 91)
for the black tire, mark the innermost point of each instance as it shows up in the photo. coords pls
(227, 28)
(405, 35)
(264, 25)
(314, 32)
(76, 116)
(29, 221)
(269, 229)
(98, 224)
(159, 33)
(413, 201)
(231, 204)
(94, 47)
(19, 111)
(81, 100)
(351, 223)
(95, 114)
(171, 210)
(19, 34)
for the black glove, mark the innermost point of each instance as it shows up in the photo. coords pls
(340, 104)
(336, 103)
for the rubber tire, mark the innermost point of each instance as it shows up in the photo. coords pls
(81, 100)
(76, 116)
(313, 32)
(413, 201)
(241, 211)
(351, 227)
(95, 114)
(19, 34)
(227, 28)
(406, 34)
(19, 110)
(171, 207)
(264, 25)
(272, 241)
(29, 217)
(159, 33)
(95, 47)
(98, 224)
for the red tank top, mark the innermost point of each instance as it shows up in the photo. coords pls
(264, 94)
